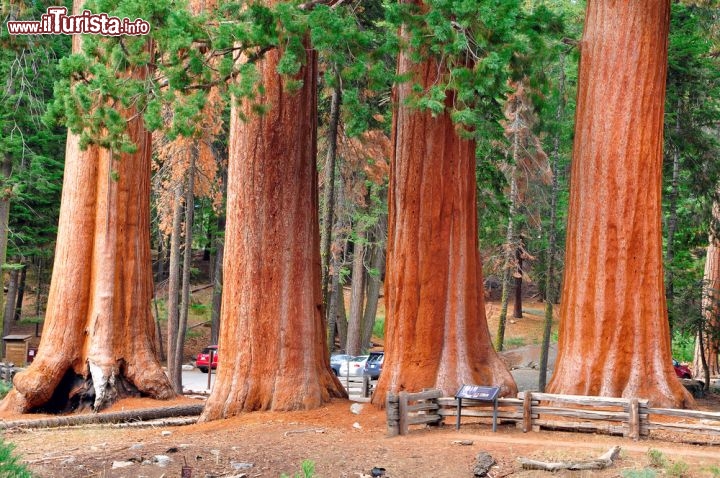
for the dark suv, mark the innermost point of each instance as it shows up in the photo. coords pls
(374, 364)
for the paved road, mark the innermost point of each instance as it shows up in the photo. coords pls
(196, 381)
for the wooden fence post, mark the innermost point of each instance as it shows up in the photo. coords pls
(527, 412)
(634, 419)
(393, 415)
(403, 412)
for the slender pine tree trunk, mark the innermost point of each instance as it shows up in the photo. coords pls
(21, 293)
(328, 211)
(517, 306)
(373, 284)
(187, 265)
(173, 306)
(217, 281)
(509, 238)
(550, 292)
(10, 304)
(5, 195)
(357, 295)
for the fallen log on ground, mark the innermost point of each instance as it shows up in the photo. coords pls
(604, 461)
(142, 414)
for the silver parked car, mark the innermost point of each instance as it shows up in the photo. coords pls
(337, 360)
(353, 367)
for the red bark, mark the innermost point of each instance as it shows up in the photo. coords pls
(271, 310)
(99, 331)
(614, 333)
(436, 329)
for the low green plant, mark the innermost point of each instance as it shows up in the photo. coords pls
(644, 473)
(656, 458)
(683, 346)
(10, 465)
(715, 470)
(307, 470)
(379, 327)
(514, 342)
(5, 387)
(32, 320)
(678, 469)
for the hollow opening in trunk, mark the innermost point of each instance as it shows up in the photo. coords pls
(76, 393)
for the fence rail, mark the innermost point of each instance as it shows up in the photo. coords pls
(532, 411)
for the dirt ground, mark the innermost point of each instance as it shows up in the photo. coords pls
(341, 443)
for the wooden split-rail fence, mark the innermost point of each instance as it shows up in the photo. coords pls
(357, 386)
(533, 411)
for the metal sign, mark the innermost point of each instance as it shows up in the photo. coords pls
(481, 393)
(478, 392)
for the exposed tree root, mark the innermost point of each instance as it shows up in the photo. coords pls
(604, 461)
(113, 417)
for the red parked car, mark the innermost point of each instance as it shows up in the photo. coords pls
(203, 358)
(681, 370)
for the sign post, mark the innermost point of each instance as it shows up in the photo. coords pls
(480, 393)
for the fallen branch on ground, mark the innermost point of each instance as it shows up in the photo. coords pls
(110, 417)
(604, 461)
(308, 430)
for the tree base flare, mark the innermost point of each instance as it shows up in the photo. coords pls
(97, 389)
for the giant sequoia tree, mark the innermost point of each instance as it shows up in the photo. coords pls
(98, 341)
(614, 334)
(271, 330)
(436, 329)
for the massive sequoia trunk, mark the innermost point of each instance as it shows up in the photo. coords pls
(98, 340)
(272, 337)
(614, 332)
(436, 331)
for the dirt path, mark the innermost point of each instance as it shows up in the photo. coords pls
(277, 443)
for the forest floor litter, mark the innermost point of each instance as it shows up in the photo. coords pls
(347, 440)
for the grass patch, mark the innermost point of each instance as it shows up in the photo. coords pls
(308, 470)
(379, 327)
(644, 473)
(514, 342)
(32, 320)
(10, 464)
(5, 387)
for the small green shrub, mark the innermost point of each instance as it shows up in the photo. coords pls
(656, 458)
(10, 465)
(715, 470)
(514, 342)
(5, 387)
(679, 469)
(644, 473)
(308, 470)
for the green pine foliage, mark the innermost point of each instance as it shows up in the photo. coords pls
(28, 66)
(691, 137)
(10, 464)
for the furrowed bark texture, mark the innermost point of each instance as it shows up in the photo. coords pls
(436, 331)
(614, 333)
(98, 324)
(271, 331)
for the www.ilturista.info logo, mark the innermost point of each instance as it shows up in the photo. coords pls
(57, 22)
